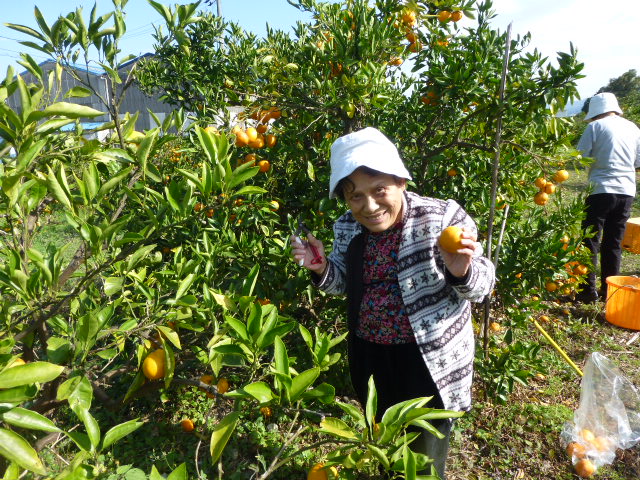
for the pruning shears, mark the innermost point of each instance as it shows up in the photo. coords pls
(317, 258)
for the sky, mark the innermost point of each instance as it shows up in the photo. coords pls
(606, 38)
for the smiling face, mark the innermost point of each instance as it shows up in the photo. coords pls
(375, 201)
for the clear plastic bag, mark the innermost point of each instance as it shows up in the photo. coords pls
(608, 416)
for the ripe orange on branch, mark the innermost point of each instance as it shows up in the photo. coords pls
(541, 198)
(456, 16)
(540, 182)
(451, 239)
(560, 176)
(444, 16)
(187, 425)
(154, 365)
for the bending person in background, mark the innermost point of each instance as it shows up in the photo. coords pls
(614, 144)
(408, 301)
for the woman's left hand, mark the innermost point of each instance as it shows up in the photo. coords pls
(458, 263)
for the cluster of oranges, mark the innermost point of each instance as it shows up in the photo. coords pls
(256, 137)
(409, 20)
(588, 444)
(198, 207)
(431, 98)
(574, 270)
(547, 187)
(175, 156)
(445, 15)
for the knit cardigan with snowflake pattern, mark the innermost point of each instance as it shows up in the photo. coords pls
(438, 304)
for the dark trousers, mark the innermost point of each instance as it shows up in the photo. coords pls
(399, 373)
(607, 215)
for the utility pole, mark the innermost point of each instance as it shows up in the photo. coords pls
(219, 7)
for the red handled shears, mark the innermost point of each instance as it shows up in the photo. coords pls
(317, 258)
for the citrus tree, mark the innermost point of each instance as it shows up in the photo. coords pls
(173, 273)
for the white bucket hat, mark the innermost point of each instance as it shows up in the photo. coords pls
(365, 148)
(603, 103)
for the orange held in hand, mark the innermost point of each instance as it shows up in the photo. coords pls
(451, 239)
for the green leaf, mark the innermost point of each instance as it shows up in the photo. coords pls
(241, 175)
(221, 434)
(324, 392)
(112, 182)
(64, 109)
(18, 394)
(238, 326)
(113, 285)
(57, 190)
(91, 425)
(250, 190)
(303, 381)
(380, 455)
(119, 431)
(372, 402)
(354, 412)
(35, 372)
(337, 428)
(16, 449)
(185, 285)
(170, 334)
(180, 473)
(409, 459)
(78, 92)
(260, 391)
(77, 391)
(23, 418)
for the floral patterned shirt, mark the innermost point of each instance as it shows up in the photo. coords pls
(383, 319)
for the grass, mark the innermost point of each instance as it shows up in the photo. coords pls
(521, 439)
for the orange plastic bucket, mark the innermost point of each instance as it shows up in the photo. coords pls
(623, 302)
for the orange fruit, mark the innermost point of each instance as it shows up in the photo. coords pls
(250, 157)
(262, 128)
(575, 449)
(209, 213)
(585, 468)
(270, 140)
(208, 379)
(495, 327)
(456, 16)
(415, 47)
(411, 36)
(452, 172)
(396, 61)
(274, 205)
(444, 16)
(252, 134)
(409, 18)
(602, 444)
(258, 142)
(560, 176)
(242, 139)
(153, 365)
(223, 385)
(587, 435)
(450, 239)
(187, 425)
(540, 182)
(541, 198)
(264, 165)
(581, 270)
(318, 472)
(549, 188)
(198, 207)
(236, 129)
(551, 286)
(565, 239)
(266, 411)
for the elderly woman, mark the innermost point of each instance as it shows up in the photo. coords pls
(408, 301)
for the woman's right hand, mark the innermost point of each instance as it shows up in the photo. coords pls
(302, 253)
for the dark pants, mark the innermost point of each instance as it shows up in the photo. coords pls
(607, 215)
(399, 373)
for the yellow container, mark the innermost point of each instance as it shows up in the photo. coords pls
(623, 302)
(631, 240)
